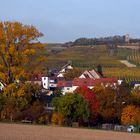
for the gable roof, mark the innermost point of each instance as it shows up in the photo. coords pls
(92, 82)
(91, 74)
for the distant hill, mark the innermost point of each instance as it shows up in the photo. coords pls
(116, 40)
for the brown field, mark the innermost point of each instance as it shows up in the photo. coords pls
(32, 132)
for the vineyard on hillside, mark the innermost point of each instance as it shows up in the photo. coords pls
(135, 59)
(88, 57)
(127, 74)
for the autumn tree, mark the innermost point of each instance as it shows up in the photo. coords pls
(112, 100)
(107, 101)
(135, 93)
(18, 43)
(130, 115)
(70, 75)
(34, 112)
(91, 100)
(57, 118)
(17, 98)
(10, 110)
(2, 102)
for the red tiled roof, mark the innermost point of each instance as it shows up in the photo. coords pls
(37, 77)
(64, 84)
(92, 82)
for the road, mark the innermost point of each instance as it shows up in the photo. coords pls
(128, 64)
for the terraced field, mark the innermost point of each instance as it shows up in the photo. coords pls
(31, 132)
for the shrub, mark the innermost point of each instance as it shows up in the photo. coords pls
(44, 119)
(57, 119)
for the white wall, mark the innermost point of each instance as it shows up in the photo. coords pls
(68, 89)
(1, 86)
(45, 82)
(60, 75)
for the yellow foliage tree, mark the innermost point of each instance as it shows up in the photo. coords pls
(18, 43)
(130, 115)
(57, 119)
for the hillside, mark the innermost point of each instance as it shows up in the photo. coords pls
(87, 56)
(90, 56)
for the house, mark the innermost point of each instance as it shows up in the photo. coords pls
(64, 69)
(71, 86)
(50, 83)
(36, 79)
(90, 74)
(90, 83)
(66, 87)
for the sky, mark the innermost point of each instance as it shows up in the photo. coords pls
(66, 20)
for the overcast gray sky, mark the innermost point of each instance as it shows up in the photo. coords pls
(67, 20)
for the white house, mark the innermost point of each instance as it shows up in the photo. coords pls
(50, 82)
(64, 69)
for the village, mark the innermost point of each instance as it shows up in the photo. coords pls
(56, 80)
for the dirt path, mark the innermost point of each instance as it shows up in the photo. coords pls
(32, 132)
(128, 64)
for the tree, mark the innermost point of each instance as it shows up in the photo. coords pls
(10, 110)
(112, 100)
(15, 99)
(70, 75)
(91, 100)
(2, 102)
(57, 119)
(130, 115)
(105, 97)
(136, 96)
(34, 112)
(99, 70)
(72, 107)
(98, 89)
(18, 43)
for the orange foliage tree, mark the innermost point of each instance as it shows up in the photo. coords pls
(18, 43)
(130, 115)
(18, 46)
(57, 118)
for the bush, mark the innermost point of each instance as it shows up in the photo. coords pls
(44, 119)
(57, 119)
